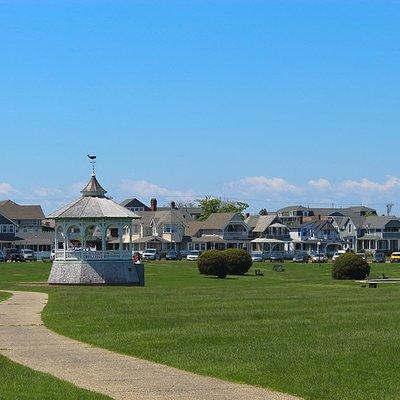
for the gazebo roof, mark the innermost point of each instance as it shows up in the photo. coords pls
(93, 204)
(93, 188)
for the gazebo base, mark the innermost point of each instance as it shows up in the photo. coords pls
(96, 272)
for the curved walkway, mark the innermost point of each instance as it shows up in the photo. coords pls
(25, 340)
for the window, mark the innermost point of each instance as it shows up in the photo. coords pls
(349, 228)
(4, 228)
(135, 228)
(11, 228)
(169, 228)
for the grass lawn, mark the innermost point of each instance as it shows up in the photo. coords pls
(297, 331)
(18, 382)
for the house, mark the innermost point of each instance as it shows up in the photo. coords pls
(219, 231)
(160, 229)
(349, 228)
(379, 233)
(194, 212)
(268, 233)
(28, 227)
(302, 214)
(315, 236)
(8, 229)
(27, 217)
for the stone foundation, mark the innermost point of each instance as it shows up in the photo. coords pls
(96, 272)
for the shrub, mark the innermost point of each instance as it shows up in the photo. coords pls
(350, 266)
(213, 262)
(238, 261)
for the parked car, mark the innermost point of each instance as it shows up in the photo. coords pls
(173, 255)
(338, 254)
(319, 258)
(151, 254)
(300, 258)
(2, 257)
(193, 255)
(395, 257)
(379, 257)
(256, 257)
(29, 255)
(276, 257)
(14, 255)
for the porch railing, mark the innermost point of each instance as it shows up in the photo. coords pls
(92, 255)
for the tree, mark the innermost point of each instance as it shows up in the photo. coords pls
(211, 205)
(263, 211)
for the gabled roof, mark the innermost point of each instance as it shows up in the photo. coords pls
(259, 223)
(16, 211)
(215, 221)
(134, 203)
(379, 222)
(221, 220)
(6, 221)
(170, 216)
(293, 208)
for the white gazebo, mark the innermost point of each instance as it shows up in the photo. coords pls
(93, 241)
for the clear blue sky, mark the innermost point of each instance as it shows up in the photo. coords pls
(273, 102)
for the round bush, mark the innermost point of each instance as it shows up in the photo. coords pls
(238, 261)
(213, 262)
(350, 266)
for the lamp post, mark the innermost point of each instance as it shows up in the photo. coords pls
(319, 255)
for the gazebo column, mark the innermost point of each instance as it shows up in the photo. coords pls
(103, 240)
(130, 239)
(65, 234)
(82, 228)
(120, 232)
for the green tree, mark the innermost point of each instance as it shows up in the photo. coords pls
(211, 205)
(263, 211)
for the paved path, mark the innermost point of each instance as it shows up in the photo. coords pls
(25, 340)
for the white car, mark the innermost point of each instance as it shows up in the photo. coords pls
(151, 254)
(338, 254)
(29, 255)
(256, 257)
(193, 255)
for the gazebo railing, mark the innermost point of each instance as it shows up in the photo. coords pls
(92, 254)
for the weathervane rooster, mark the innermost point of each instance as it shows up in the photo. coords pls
(92, 159)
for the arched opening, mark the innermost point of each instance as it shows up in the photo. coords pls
(126, 237)
(93, 238)
(112, 237)
(74, 239)
(60, 238)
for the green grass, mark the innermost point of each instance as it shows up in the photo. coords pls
(298, 331)
(18, 382)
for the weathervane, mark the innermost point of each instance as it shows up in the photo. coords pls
(92, 161)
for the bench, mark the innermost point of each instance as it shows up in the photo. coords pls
(374, 282)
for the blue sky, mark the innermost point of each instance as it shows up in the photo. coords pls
(270, 102)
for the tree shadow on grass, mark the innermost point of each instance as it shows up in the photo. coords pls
(221, 279)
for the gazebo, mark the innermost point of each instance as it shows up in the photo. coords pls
(93, 241)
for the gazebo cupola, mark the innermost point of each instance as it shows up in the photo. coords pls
(95, 230)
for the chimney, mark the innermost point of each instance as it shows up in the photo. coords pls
(247, 215)
(153, 204)
(173, 205)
